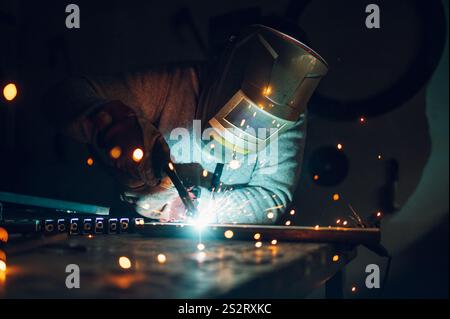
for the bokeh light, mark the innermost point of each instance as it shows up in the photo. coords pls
(138, 155)
(90, 161)
(2, 265)
(235, 164)
(124, 262)
(228, 234)
(10, 91)
(115, 152)
(161, 258)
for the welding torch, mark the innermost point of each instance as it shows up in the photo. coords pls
(163, 155)
(181, 189)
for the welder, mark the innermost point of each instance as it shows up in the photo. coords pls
(263, 80)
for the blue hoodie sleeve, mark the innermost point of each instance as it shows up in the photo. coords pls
(273, 180)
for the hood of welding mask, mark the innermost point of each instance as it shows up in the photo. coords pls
(264, 80)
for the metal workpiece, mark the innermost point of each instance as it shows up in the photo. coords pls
(171, 268)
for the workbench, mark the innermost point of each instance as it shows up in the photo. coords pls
(225, 268)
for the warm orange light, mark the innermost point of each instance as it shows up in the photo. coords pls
(267, 90)
(362, 120)
(345, 223)
(124, 262)
(338, 221)
(292, 212)
(10, 91)
(205, 173)
(2, 265)
(340, 146)
(257, 236)
(3, 235)
(354, 289)
(379, 214)
(316, 227)
(90, 161)
(274, 242)
(161, 258)
(336, 197)
(336, 258)
(115, 152)
(228, 234)
(316, 177)
(288, 223)
(258, 244)
(138, 155)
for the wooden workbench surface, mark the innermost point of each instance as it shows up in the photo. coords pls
(228, 268)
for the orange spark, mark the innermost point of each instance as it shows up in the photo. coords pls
(90, 161)
(115, 152)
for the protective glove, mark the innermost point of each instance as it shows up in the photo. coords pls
(163, 204)
(153, 204)
(130, 146)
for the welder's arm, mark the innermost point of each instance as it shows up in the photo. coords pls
(115, 112)
(271, 187)
(67, 104)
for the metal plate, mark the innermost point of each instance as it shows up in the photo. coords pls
(246, 232)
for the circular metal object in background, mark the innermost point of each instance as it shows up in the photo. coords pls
(328, 166)
(372, 71)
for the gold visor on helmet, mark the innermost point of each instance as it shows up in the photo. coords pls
(265, 84)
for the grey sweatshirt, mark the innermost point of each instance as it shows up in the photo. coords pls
(256, 192)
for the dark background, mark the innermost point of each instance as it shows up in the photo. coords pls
(395, 77)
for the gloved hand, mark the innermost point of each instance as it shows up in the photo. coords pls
(131, 146)
(163, 203)
(152, 204)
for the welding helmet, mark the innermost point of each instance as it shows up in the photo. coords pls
(264, 81)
